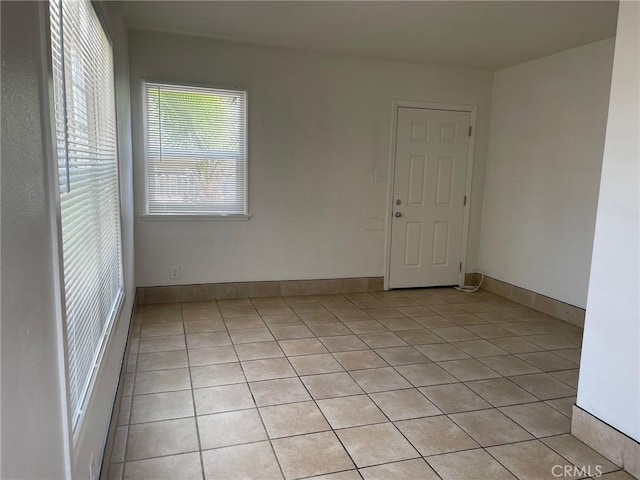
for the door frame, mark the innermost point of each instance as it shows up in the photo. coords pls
(396, 104)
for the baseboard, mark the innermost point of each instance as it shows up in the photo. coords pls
(530, 299)
(216, 291)
(612, 444)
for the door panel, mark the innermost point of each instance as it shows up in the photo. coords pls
(432, 149)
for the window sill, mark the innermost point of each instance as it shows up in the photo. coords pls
(159, 217)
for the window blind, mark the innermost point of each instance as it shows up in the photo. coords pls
(195, 150)
(87, 159)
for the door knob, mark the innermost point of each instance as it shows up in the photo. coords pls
(397, 214)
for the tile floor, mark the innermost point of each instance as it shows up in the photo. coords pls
(412, 384)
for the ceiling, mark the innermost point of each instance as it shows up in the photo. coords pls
(471, 34)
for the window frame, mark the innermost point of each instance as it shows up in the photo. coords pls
(148, 216)
(75, 432)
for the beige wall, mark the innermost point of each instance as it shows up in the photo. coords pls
(319, 131)
(609, 386)
(548, 121)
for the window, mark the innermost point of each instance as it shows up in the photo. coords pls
(195, 150)
(87, 161)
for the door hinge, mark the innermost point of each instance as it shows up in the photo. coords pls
(460, 267)
(464, 203)
(470, 130)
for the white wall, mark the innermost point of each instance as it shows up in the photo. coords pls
(548, 121)
(319, 128)
(32, 403)
(609, 385)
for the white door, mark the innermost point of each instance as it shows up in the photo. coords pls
(432, 154)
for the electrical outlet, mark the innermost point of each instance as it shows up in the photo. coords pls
(174, 274)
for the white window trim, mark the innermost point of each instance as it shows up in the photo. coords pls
(192, 217)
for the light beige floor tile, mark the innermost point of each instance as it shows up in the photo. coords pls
(501, 392)
(490, 427)
(544, 386)
(230, 428)
(115, 471)
(299, 456)
(563, 405)
(342, 412)
(530, 460)
(469, 465)
(208, 339)
(259, 350)
(321, 316)
(400, 324)
(343, 343)
(376, 444)
(253, 461)
(547, 361)
(302, 346)
(425, 374)
(419, 337)
(579, 454)
(359, 360)
(161, 329)
(515, 345)
(479, 348)
(268, 369)
(414, 310)
(314, 364)
(619, 475)
(404, 470)
(162, 381)
(251, 335)
(508, 365)
(331, 385)
(455, 334)
(125, 411)
(379, 379)
(329, 329)
(404, 404)
(224, 398)
(384, 313)
(161, 406)
(401, 355)
(553, 341)
(488, 331)
(120, 444)
(571, 354)
(570, 377)
(497, 317)
(157, 439)
(161, 344)
(382, 340)
(366, 326)
(441, 352)
(276, 392)
(204, 326)
(435, 435)
(211, 355)
(283, 319)
(243, 323)
(214, 375)
(468, 370)
(237, 311)
(293, 419)
(346, 475)
(538, 418)
(454, 398)
(465, 319)
(434, 321)
(185, 467)
(162, 360)
(289, 332)
(351, 314)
